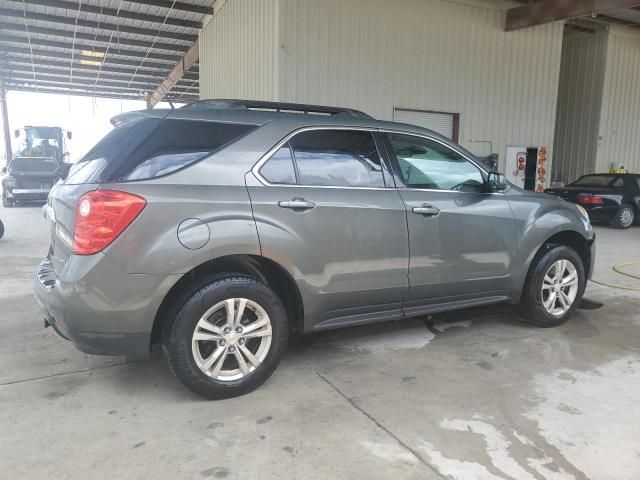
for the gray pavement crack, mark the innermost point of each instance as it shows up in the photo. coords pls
(61, 374)
(377, 423)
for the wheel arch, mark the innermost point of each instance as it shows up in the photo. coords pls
(567, 237)
(261, 268)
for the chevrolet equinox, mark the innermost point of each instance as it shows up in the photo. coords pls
(219, 228)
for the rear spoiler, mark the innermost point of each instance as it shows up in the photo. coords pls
(128, 117)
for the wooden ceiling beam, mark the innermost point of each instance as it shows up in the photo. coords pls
(182, 67)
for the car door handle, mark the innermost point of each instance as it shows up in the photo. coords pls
(297, 204)
(426, 210)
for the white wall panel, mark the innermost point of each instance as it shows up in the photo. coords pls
(375, 55)
(619, 141)
(582, 73)
(443, 123)
(238, 51)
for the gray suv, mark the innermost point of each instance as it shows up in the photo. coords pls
(219, 228)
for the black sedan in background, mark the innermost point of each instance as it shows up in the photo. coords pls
(607, 197)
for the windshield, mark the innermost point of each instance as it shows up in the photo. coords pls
(33, 165)
(596, 180)
(43, 142)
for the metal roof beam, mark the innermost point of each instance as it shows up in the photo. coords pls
(26, 72)
(90, 48)
(26, 78)
(546, 11)
(116, 41)
(79, 57)
(83, 66)
(103, 86)
(186, 7)
(112, 12)
(121, 96)
(6, 12)
(176, 73)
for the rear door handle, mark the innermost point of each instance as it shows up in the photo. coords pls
(426, 210)
(297, 204)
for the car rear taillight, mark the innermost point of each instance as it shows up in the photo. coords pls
(589, 199)
(102, 215)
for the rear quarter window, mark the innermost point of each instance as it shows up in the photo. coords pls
(174, 144)
(152, 147)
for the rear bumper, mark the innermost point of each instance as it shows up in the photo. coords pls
(98, 307)
(27, 194)
(601, 213)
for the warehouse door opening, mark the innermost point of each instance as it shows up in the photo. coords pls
(446, 124)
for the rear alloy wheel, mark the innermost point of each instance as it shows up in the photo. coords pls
(232, 339)
(554, 286)
(625, 217)
(228, 336)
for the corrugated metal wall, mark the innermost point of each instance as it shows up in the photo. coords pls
(619, 141)
(427, 55)
(238, 51)
(582, 72)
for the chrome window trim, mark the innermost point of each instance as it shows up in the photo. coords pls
(267, 156)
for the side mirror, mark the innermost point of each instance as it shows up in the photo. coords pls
(4, 169)
(69, 135)
(491, 162)
(497, 182)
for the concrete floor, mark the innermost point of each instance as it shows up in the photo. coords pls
(471, 395)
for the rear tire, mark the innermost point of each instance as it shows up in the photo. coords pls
(1, 229)
(554, 286)
(6, 203)
(215, 352)
(625, 217)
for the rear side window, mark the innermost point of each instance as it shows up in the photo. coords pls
(175, 144)
(279, 168)
(343, 158)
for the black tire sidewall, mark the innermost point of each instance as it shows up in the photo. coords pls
(178, 348)
(531, 305)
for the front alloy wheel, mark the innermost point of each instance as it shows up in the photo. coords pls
(560, 287)
(554, 286)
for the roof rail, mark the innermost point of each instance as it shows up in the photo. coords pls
(260, 105)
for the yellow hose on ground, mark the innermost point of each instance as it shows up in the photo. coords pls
(618, 269)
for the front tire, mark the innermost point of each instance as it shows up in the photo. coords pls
(625, 217)
(228, 337)
(554, 286)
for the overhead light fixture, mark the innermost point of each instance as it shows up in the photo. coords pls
(91, 53)
(95, 63)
